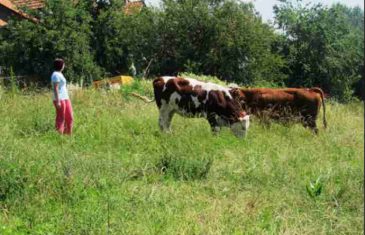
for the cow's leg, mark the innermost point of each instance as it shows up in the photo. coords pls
(165, 119)
(312, 125)
(213, 124)
(310, 122)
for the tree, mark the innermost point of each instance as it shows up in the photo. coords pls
(311, 46)
(63, 31)
(125, 39)
(222, 38)
(324, 46)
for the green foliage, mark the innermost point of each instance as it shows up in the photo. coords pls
(314, 189)
(2, 91)
(63, 31)
(137, 86)
(122, 39)
(324, 46)
(244, 46)
(13, 82)
(227, 40)
(310, 45)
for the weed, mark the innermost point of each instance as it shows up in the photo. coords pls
(182, 167)
(314, 189)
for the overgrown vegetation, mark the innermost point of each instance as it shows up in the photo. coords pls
(309, 45)
(118, 174)
(323, 46)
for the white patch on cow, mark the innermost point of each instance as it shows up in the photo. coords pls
(174, 99)
(245, 118)
(165, 116)
(167, 111)
(240, 129)
(196, 101)
(166, 79)
(246, 122)
(208, 86)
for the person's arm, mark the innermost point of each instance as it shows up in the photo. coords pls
(56, 95)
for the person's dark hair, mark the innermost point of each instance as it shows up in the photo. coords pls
(58, 64)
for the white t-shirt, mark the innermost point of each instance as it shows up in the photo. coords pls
(57, 77)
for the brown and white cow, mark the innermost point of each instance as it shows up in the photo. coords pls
(191, 98)
(302, 104)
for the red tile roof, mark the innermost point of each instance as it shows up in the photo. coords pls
(7, 4)
(133, 7)
(32, 4)
(10, 5)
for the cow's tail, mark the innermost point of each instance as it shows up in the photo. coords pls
(319, 91)
(144, 98)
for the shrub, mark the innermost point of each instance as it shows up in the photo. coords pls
(182, 167)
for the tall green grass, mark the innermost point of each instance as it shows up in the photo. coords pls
(118, 174)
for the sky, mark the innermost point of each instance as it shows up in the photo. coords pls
(265, 7)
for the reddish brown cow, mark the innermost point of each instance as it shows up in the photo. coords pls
(192, 98)
(301, 103)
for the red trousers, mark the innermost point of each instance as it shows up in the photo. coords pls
(64, 117)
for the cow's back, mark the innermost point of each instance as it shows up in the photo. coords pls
(288, 96)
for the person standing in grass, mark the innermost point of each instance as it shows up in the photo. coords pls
(61, 100)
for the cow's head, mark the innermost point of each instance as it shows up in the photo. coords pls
(232, 112)
(240, 128)
(239, 121)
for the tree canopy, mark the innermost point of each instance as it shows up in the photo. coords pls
(309, 45)
(323, 46)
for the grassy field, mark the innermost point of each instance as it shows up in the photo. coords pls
(119, 175)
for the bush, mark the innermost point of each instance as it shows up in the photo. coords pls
(227, 39)
(182, 167)
(323, 46)
(63, 31)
